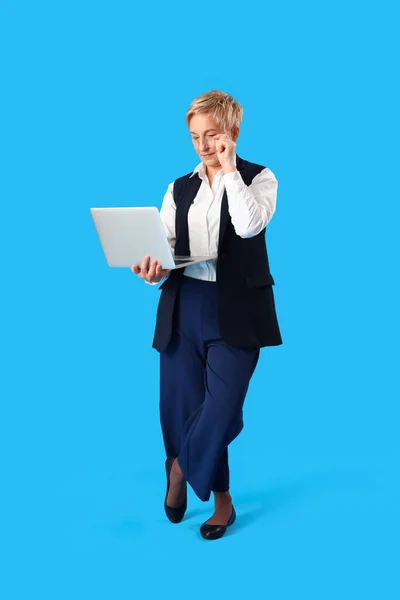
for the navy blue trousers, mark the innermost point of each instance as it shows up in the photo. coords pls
(203, 385)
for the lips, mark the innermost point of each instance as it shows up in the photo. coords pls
(208, 155)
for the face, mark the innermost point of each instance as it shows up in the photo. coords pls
(203, 130)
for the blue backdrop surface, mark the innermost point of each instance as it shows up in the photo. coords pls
(93, 102)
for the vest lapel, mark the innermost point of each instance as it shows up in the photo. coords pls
(224, 216)
(183, 200)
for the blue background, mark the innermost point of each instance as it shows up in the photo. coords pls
(93, 102)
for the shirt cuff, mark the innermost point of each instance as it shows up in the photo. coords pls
(233, 176)
(157, 282)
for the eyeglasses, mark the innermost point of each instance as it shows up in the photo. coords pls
(207, 138)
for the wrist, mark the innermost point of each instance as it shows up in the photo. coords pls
(229, 168)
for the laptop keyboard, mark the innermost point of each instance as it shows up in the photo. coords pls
(179, 261)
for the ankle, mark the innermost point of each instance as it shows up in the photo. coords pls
(222, 498)
(176, 470)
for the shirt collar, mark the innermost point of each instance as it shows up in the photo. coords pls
(201, 170)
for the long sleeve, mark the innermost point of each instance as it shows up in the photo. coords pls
(251, 207)
(167, 213)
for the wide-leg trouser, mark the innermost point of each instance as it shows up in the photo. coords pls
(203, 385)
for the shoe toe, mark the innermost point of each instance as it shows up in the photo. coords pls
(212, 532)
(175, 515)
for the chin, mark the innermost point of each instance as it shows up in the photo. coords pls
(211, 162)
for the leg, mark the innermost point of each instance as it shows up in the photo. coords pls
(221, 479)
(222, 497)
(182, 389)
(182, 383)
(217, 422)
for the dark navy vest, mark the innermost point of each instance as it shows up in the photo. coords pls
(242, 270)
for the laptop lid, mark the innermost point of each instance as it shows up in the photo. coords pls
(128, 234)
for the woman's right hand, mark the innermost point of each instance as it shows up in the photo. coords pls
(151, 272)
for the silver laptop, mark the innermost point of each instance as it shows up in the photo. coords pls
(129, 234)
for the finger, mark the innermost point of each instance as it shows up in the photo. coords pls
(221, 145)
(152, 270)
(145, 264)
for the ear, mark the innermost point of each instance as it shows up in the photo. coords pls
(235, 133)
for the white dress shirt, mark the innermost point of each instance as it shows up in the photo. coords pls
(250, 208)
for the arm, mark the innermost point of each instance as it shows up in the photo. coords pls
(251, 207)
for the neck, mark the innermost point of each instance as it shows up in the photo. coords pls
(212, 171)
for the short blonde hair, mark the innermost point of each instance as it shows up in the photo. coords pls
(222, 107)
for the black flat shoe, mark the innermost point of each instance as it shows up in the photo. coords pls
(213, 532)
(175, 515)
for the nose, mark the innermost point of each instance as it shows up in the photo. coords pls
(204, 145)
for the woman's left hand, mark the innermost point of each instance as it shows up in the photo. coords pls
(226, 150)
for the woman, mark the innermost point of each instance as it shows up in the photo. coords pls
(214, 316)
